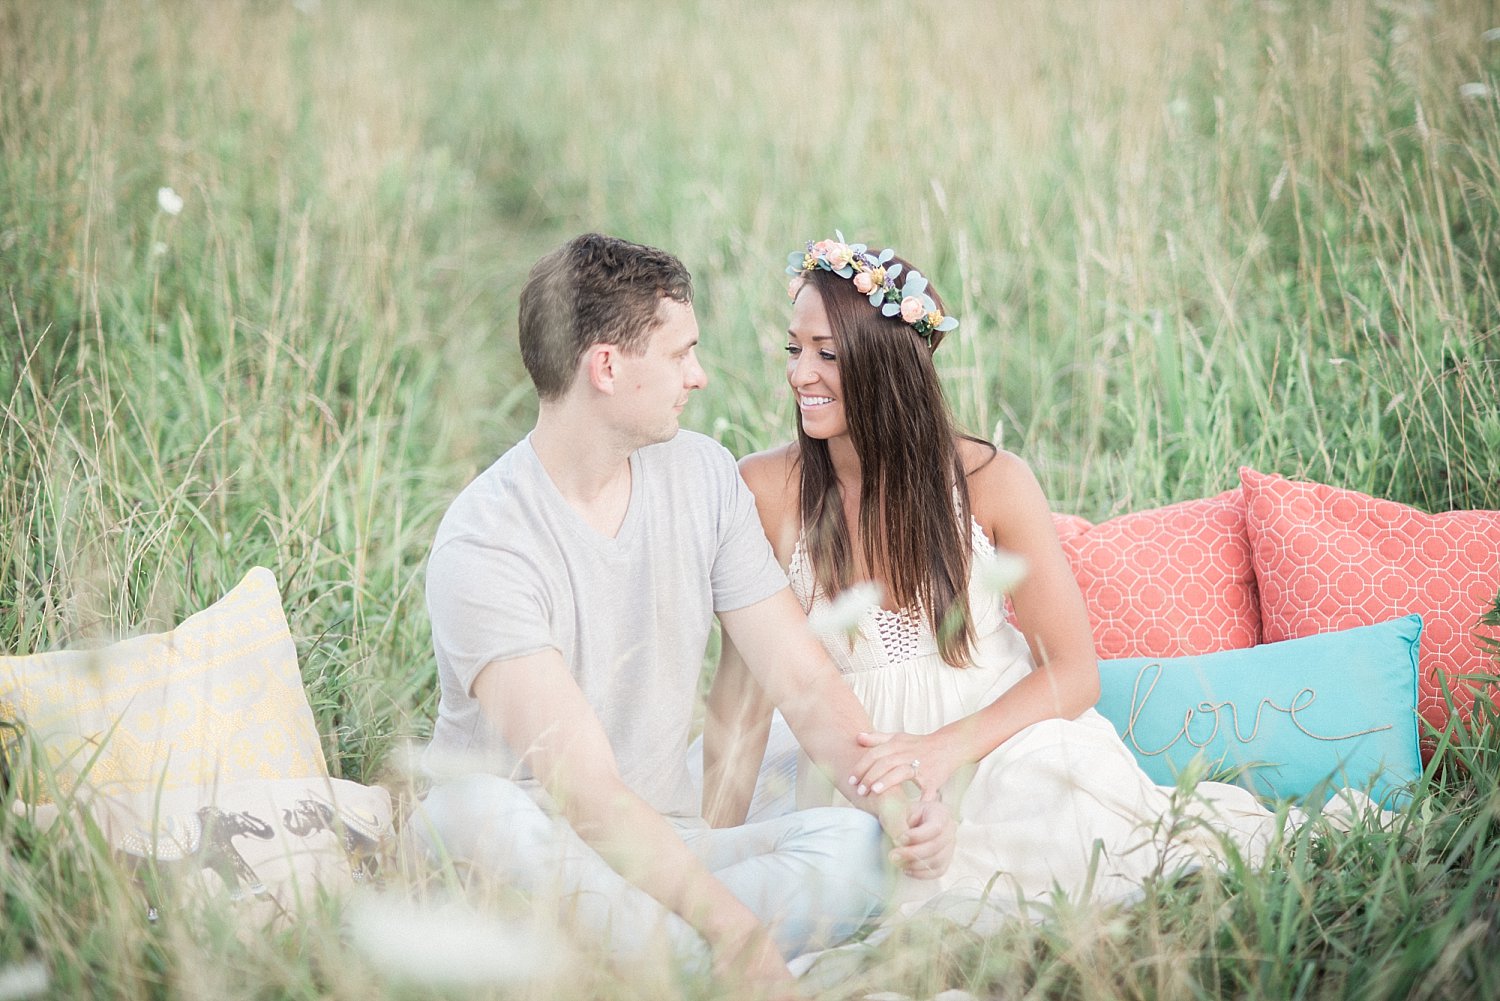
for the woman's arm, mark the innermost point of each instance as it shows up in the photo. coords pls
(737, 713)
(737, 721)
(1009, 504)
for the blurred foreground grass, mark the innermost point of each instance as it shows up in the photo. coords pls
(1180, 239)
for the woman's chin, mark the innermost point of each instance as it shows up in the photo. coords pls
(820, 430)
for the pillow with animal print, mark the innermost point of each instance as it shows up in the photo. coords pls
(269, 847)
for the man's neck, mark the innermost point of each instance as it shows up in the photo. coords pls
(589, 465)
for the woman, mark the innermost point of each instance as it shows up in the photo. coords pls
(994, 719)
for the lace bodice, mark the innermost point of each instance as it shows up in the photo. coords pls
(888, 638)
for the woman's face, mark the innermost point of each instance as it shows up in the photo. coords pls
(812, 368)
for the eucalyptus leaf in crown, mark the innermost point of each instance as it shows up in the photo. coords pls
(874, 276)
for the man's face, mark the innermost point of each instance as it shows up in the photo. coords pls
(654, 387)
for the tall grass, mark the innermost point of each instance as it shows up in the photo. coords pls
(1180, 239)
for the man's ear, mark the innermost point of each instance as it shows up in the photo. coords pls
(599, 366)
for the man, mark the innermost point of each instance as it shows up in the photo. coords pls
(571, 588)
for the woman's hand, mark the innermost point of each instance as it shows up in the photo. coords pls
(928, 760)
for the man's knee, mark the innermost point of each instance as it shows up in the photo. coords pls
(846, 848)
(852, 847)
(840, 832)
(475, 817)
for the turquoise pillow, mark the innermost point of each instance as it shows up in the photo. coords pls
(1336, 709)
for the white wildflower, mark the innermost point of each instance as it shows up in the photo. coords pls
(169, 201)
(1474, 91)
(450, 944)
(158, 249)
(842, 616)
(1000, 573)
(23, 980)
(1493, 35)
(1279, 183)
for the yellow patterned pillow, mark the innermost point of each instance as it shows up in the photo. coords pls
(218, 699)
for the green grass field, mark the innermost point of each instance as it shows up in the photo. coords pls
(1181, 239)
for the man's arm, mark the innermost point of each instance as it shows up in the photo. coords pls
(737, 723)
(544, 718)
(794, 671)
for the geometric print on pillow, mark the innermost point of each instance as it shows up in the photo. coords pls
(1175, 581)
(1328, 559)
(217, 700)
(1069, 525)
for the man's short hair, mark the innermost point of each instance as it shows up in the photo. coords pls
(593, 290)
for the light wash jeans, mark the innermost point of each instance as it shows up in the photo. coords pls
(813, 877)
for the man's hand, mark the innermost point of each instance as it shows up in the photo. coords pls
(925, 849)
(749, 957)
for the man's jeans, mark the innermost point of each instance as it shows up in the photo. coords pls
(814, 877)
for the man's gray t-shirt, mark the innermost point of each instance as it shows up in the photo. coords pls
(514, 570)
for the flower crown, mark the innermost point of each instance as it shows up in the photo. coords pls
(874, 278)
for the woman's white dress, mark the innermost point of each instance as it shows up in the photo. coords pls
(1061, 805)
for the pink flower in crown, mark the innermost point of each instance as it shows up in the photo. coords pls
(839, 255)
(822, 248)
(912, 309)
(864, 282)
(794, 286)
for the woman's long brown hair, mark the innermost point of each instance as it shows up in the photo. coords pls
(910, 531)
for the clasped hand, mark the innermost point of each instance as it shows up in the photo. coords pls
(924, 836)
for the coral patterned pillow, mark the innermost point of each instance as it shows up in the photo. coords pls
(1175, 581)
(1328, 558)
(1069, 525)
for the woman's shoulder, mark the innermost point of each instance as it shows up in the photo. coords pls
(772, 477)
(1004, 493)
(988, 467)
(771, 473)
